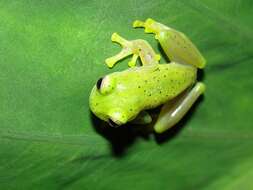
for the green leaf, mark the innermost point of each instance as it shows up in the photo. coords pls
(51, 54)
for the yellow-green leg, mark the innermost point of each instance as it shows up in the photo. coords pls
(137, 48)
(126, 50)
(173, 111)
(176, 45)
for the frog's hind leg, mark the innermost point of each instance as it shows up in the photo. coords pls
(176, 45)
(173, 111)
(139, 48)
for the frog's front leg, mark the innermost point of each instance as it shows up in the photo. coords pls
(139, 48)
(176, 45)
(173, 111)
(142, 118)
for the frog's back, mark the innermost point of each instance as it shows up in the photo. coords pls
(175, 78)
(152, 86)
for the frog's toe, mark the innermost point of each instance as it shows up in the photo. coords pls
(110, 62)
(146, 25)
(150, 26)
(132, 63)
(138, 23)
(119, 39)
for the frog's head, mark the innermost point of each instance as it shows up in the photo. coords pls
(108, 101)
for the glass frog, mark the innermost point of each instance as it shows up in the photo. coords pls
(122, 97)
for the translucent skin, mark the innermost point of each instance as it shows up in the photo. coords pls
(141, 88)
(123, 96)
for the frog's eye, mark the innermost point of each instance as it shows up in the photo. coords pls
(105, 84)
(99, 82)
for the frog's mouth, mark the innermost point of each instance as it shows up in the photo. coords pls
(112, 123)
(117, 118)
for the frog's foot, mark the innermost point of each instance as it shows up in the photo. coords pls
(150, 26)
(173, 111)
(139, 48)
(126, 50)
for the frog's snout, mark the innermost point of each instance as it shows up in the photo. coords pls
(117, 118)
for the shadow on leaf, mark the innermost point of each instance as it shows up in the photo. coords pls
(121, 138)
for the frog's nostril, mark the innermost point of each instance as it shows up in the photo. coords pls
(99, 82)
(112, 123)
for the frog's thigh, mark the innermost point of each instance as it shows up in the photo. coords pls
(173, 111)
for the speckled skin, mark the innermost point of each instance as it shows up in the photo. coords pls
(141, 88)
(121, 96)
